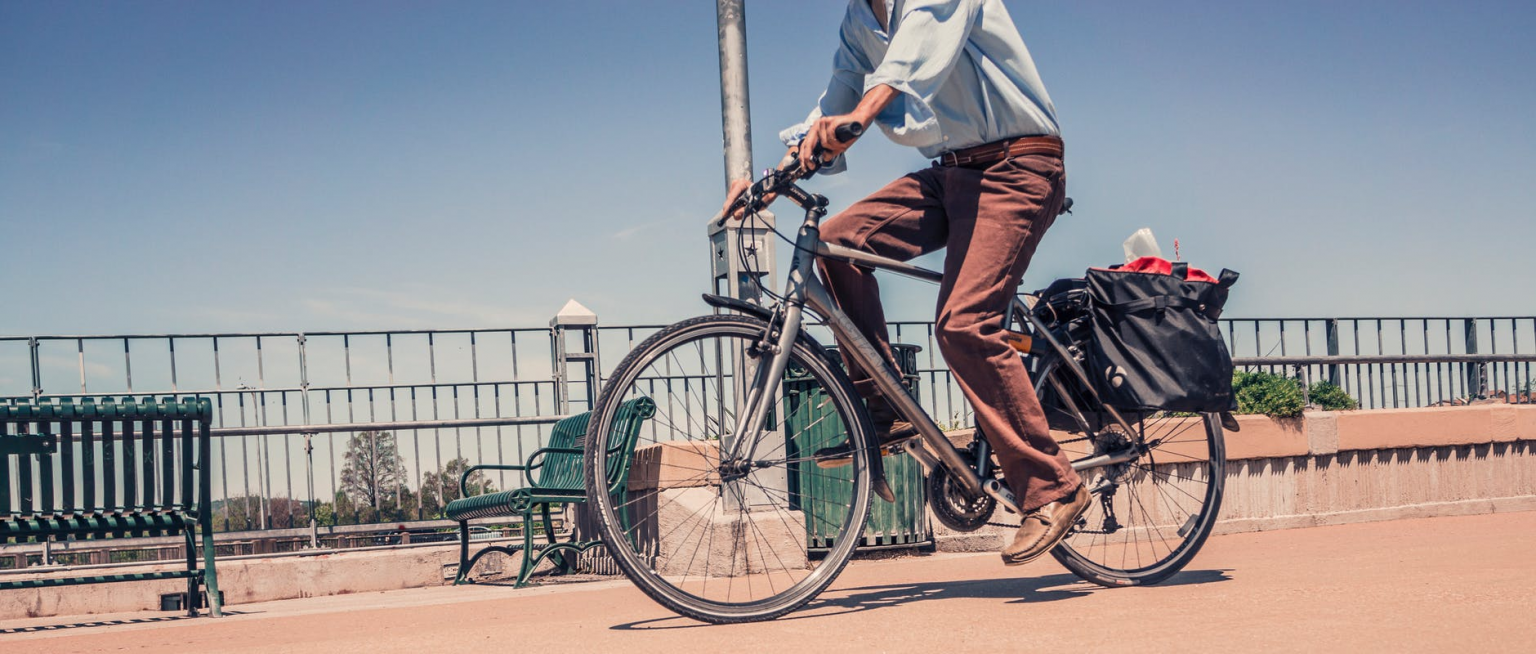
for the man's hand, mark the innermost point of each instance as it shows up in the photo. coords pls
(734, 191)
(822, 135)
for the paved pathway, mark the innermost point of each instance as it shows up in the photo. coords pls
(1444, 584)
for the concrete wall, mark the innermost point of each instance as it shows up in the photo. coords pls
(255, 580)
(1329, 468)
(1321, 469)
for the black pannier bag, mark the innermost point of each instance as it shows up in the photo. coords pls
(1156, 341)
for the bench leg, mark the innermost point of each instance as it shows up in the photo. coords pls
(463, 575)
(566, 564)
(210, 572)
(526, 570)
(194, 599)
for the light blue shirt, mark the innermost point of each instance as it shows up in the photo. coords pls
(963, 73)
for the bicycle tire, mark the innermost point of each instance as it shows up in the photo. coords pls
(1199, 525)
(1189, 463)
(620, 524)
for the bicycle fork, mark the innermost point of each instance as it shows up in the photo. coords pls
(801, 289)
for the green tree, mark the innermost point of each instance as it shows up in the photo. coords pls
(441, 487)
(373, 476)
(325, 514)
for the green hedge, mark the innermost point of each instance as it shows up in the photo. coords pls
(1269, 394)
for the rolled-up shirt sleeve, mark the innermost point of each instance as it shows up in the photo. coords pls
(849, 67)
(928, 42)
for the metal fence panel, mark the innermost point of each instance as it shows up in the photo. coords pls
(268, 476)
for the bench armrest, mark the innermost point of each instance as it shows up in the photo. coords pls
(464, 479)
(530, 465)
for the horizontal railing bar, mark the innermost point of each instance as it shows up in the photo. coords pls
(320, 551)
(250, 536)
(1382, 358)
(400, 425)
(505, 330)
(385, 387)
(1377, 318)
(298, 389)
(195, 335)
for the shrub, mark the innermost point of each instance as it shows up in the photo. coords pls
(1267, 394)
(1329, 397)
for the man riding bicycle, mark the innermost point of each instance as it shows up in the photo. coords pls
(953, 79)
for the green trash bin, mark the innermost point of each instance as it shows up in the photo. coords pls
(903, 523)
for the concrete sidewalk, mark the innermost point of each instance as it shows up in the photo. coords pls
(1462, 584)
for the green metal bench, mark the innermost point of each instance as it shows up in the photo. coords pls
(559, 481)
(87, 470)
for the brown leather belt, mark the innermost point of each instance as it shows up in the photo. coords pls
(987, 154)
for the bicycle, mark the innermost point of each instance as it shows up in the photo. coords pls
(726, 468)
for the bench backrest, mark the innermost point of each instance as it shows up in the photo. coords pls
(562, 471)
(69, 458)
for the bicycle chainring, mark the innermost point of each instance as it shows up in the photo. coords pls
(953, 507)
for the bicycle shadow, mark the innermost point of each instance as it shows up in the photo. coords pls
(847, 601)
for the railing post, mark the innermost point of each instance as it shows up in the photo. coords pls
(581, 320)
(309, 443)
(1332, 333)
(1475, 371)
(575, 317)
(37, 369)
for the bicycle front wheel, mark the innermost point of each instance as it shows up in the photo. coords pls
(719, 526)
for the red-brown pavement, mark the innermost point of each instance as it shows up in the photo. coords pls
(1442, 584)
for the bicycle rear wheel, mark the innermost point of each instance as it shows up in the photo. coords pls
(1150, 515)
(713, 525)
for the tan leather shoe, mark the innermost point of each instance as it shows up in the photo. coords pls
(1044, 527)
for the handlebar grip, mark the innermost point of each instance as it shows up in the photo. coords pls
(848, 132)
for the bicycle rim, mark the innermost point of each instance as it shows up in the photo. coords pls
(716, 527)
(1149, 516)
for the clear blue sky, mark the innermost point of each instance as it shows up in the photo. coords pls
(194, 166)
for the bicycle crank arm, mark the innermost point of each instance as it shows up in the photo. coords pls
(999, 492)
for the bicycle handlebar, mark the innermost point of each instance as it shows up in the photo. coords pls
(777, 181)
(848, 132)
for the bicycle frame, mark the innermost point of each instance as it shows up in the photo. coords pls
(932, 449)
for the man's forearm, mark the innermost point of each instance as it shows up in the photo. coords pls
(873, 102)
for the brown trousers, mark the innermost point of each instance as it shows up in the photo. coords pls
(990, 220)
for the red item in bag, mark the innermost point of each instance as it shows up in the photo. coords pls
(1161, 266)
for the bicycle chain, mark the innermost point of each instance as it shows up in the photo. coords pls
(1021, 522)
